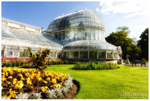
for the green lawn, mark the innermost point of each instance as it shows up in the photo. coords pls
(108, 84)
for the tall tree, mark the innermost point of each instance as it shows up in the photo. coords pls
(120, 38)
(143, 43)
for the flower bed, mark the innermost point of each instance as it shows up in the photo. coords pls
(33, 84)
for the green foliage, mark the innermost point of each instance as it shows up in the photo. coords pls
(9, 63)
(120, 38)
(93, 66)
(143, 43)
(13, 63)
(39, 58)
(65, 62)
(27, 66)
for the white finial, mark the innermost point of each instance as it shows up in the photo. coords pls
(85, 7)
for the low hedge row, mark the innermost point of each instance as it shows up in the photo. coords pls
(94, 66)
(56, 62)
(20, 62)
(13, 63)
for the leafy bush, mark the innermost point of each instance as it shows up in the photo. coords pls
(39, 58)
(55, 62)
(65, 62)
(27, 66)
(9, 63)
(93, 66)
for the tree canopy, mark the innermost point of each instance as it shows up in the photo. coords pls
(143, 43)
(120, 38)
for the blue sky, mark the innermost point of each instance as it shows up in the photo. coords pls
(114, 13)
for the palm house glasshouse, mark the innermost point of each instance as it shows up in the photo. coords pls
(77, 36)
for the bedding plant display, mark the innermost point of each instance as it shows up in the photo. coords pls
(34, 83)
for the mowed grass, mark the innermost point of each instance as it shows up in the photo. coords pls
(108, 84)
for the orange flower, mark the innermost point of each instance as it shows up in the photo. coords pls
(12, 94)
(48, 78)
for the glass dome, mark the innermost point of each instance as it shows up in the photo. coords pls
(90, 44)
(76, 19)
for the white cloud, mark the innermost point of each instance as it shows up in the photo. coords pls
(130, 8)
(141, 27)
(134, 35)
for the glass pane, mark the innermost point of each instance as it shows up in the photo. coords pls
(64, 55)
(109, 54)
(75, 54)
(2, 51)
(115, 55)
(101, 54)
(24, 53)
(72, 35)
(93, 54)
(83, 54)
(12, 52)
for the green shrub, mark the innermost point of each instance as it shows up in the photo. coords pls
(4, 64)
(61, 62)
(93, 66)
(13, 64)
(27, 66)
(9, 63)
(19, 62)
(39, 58)
(65, 62)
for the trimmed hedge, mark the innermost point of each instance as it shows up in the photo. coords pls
(10, 63)
(57, 62)
(94, 66)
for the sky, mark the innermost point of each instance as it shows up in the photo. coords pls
(114, 13)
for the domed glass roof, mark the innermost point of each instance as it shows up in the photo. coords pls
(90, 44)
(14, 36)
(76, 19)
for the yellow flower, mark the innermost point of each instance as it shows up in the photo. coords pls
(3, 79)
(14, 81)
(12, 94)
(54, 81)
(45, 82)
(16, 86)
(59, 85)
(10, 77)
(20, 75)
(39, 79)
(6, 73)
(29, 82)
(11, 72)
(48, 78)
(43, 89)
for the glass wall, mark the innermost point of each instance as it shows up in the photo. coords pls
(93, 54)
(24, 53)
(2, 51)
(101, 54)
(53, 55)
(115, 55)
(12, 52)
(72, 35)
(83, 54)
(109, 54)
(64, 55)
(76, 54)
(34, 51)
